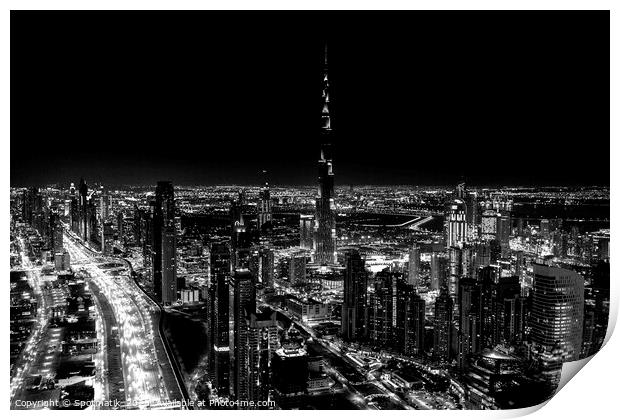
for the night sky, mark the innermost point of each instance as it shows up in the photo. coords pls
(499, 98)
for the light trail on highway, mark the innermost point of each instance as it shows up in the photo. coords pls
(143, 378)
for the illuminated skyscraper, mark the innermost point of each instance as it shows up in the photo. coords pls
(414, 265)
(325, 218)
(438, 271)
(556, 317)
(264, 205)
(262, 345)
(244, 304)
(354, 305)
(262, 266)
(306, 230)
(442, 326)
(489, 225)
(297, 269)
(218, 309)
(469, 333)
(410, 315)
(457, 231)
(164, 244)
(83, 211)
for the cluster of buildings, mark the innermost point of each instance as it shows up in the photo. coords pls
(496, 302)
(58, 306)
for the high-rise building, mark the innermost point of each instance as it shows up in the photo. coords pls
(120, 225)
(354, 305)
(468, 260)
(262, 266)
(57, 232)
(264, 204)
(104, 205)
(511, 310)
(489, 225)
(503, 232)
(262, 345)
(107, 238)
(414, 265)
(306, 231)
(244, 304)
(438, 271)
(410, 317)
(457, 230)
(455, 265)
(442, 326)
(472, 217)
(556, 318)
(164, 244)
(83, 211)
(219, 318)
(244, 238)
(489, 323)
(325, 217)
(297, 269)
(382, 311)
(290, 370)
(469, 332)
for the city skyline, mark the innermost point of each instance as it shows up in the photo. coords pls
(420, 82)
(287, 297)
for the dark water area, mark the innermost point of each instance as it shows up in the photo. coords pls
(188, 338)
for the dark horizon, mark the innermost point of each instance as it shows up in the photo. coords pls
(212, 98)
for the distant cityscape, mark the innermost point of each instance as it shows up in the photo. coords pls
(324, 296)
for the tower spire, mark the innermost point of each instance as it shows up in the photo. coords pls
(325, 220)
(325, 56)
(325, 117)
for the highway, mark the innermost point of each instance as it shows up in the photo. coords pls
(137, 320)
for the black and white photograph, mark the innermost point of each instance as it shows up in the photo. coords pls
(306, 210)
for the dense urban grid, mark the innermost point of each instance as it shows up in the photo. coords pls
(293, 297)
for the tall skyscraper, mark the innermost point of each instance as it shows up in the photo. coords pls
(489, 222)
(83, 210)
(487, 281)
(219, 318)
(325, 218)
(469, 333)
(306, 230)
(556, 317)
(503, 232)
(438, 271)
(354, 305)
(56, 232)
(410, 316)
(243, 238)
(264, 204)
(442, 326)
(164, 244)
(262, 345)
(262, 266)
(104, 204)
(457, 224)
(244, 304)
(383, 311)
(414, 265)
